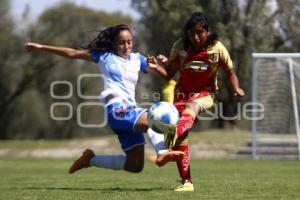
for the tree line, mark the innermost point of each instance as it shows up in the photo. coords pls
(26, 79)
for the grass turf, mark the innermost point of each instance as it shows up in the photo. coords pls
(31, 178)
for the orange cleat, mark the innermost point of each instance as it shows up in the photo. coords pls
(170, 156)
(82, 162)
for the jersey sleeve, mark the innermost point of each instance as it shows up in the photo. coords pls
(225, 60)
(144, 63)
(95, 55)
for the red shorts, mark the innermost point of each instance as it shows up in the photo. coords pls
(204, 99)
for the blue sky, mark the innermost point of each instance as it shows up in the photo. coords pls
(38, 6)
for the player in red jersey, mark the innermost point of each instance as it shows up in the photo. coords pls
(197, 56)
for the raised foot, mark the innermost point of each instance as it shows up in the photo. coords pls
(170, 156)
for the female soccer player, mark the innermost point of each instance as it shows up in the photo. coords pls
(198, 56)
(112, 51)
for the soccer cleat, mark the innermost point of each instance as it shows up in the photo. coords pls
(169, 156)
(170, 139)
(186, 187)
(82, 162)
(152, 158)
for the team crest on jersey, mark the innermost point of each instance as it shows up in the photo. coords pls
(197, 66)
(215, 57)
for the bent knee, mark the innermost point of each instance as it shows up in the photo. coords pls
(138, 169)
(135, 168)
(135, 159)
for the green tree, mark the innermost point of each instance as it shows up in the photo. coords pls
(27, 93)
(244, 27)
(10, 59)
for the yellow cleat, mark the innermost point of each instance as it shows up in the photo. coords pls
(186, 187)
(152, 158)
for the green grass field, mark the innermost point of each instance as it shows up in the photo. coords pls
(32, 178)
(24, 177)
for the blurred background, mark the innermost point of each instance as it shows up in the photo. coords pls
(244, 26)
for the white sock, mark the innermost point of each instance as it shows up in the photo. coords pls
(157, 141)
(115, 162)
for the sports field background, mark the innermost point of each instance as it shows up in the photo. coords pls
(221, 177)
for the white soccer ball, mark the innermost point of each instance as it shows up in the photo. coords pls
(163, 117)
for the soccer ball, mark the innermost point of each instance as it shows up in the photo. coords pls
(163, 117)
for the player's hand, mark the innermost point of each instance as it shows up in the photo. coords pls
(152, 62)
(29, 46)
(239, 92)
(162, 59)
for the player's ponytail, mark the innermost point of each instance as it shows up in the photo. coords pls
(105, 39)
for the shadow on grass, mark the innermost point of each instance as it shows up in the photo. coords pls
(97, 189)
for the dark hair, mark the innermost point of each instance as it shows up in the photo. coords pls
(106, 38)
(191, 22)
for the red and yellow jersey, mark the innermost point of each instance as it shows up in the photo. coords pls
(198, 71)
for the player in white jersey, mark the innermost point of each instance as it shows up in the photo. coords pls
(111, 50)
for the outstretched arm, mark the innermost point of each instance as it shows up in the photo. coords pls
(161, 66)
(234, 82)
(62, 51)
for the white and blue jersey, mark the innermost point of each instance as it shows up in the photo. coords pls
(121, 76)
